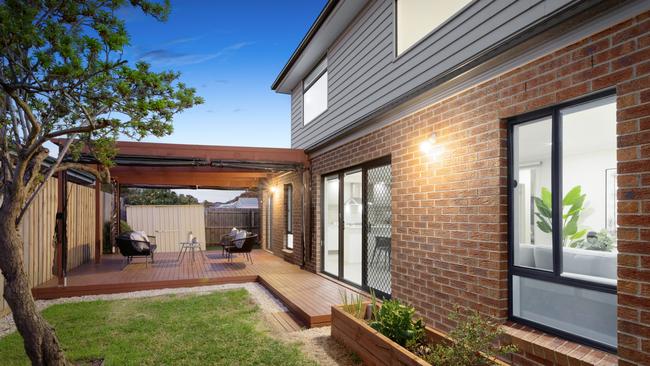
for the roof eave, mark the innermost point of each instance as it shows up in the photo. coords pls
(327, 10)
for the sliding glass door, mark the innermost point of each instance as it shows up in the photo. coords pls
(356, 226)
(352, 226)
(331, 220)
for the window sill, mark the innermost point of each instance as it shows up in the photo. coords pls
(537, 344)
(288, 251)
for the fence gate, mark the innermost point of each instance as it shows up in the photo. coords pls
(170, 224)
(219, 221)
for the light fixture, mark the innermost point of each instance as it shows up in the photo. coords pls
(430, 148)
(273, 189)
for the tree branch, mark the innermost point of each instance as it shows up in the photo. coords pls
(32, 194)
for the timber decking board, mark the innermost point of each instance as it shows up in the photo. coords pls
(307, 295)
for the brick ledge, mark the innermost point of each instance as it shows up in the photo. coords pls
(543, 348)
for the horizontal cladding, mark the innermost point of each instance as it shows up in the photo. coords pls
(364, 75)
(296, 110)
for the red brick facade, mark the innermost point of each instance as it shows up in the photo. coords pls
(450, 221)
(279, 221)
(449, 226)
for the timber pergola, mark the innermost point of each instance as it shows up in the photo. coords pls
(161, 165)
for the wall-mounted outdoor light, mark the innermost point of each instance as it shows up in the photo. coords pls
(430, 148)
(273, 190)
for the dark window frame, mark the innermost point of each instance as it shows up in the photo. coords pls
(288, 212)
(556, 187)
(340, 173)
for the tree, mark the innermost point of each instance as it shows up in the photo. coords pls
(150, 196)
(62, 76)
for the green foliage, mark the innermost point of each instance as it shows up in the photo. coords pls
(602, 241)
(147, 196)
(472, 335)
(63, 75)
(106, 235)
(353, 304)
(221, 328)
(124, 226)
(395, 320)
(572, 206)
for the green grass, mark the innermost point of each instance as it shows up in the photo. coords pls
(222, 328)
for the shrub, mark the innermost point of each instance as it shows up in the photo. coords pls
(472, 335)
(124, 226)
(395, 320)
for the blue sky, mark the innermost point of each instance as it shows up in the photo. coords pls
(230, 51)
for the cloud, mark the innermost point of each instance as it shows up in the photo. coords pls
(182, 40)
(166, 57)
(237, 110)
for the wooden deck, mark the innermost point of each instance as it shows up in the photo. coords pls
(307, 295)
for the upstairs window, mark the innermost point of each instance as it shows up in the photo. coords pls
(417, 18)
(315, 92)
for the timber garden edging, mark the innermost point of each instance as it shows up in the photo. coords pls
(373, 347)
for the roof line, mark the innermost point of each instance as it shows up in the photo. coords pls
(327, 10)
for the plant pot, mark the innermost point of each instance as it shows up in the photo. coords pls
(376, 349)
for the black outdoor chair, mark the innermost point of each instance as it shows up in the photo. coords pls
(246, 247)
(135, 248)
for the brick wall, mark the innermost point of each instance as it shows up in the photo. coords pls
(279, 217)
(450, 216)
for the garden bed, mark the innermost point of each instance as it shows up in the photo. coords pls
(373, 347)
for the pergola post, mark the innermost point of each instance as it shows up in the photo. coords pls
(306, 215)
(98, 221)
(61, 218)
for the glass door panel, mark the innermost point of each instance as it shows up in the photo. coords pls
(378, 229)
(353, 223)
(331, 225)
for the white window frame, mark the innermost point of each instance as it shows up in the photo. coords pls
(316, 76)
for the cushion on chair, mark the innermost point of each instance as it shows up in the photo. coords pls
(239, 238)
(139, 236)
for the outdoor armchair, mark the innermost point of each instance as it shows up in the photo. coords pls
(134, 244)
(242, 245)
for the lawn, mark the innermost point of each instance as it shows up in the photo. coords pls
(222, 328)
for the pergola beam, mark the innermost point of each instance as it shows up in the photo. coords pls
(192, 180)
(212, 153)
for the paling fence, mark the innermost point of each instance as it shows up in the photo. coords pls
(39, 236)
(219, 221)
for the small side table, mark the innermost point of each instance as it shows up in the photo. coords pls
(185, 246)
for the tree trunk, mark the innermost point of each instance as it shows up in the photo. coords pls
(41, 344)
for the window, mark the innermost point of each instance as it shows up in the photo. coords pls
(416, 18)
(315, 92)
(563, 256)
(288, 209)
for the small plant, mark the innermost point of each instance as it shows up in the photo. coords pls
(574, 200)
(395, 320)
(602, 241)
(472, 340)
(124, 226)
(353, 304)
